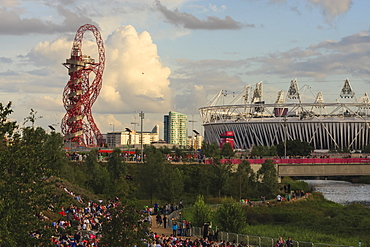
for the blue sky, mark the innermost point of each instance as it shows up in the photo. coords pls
(175, 55)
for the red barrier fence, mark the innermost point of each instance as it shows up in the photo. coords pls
(299, 161)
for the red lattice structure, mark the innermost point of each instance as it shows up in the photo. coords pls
(78, 126)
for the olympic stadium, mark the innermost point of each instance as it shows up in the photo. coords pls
(336, 125)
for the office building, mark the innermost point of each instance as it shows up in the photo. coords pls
(175, 131)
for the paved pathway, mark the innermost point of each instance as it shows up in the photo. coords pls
(161, 230)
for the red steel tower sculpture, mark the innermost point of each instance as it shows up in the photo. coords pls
(78, 126)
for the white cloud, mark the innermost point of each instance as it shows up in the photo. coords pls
(135, 77)
(333, 8)
(330, 8)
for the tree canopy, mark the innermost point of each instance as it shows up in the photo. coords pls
(294, 148)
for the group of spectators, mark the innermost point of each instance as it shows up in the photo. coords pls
(281, 243)
(86, 221)
(174, 240)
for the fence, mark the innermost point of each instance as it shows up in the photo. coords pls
(298, 161)
(254, 240)
(248, 240)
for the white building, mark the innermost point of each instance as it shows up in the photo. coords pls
(131, 138)
(194, 142)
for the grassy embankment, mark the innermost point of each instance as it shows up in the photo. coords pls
(313, 220)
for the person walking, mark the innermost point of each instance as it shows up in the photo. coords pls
(158, 219)
(174, 229)
(164, 221)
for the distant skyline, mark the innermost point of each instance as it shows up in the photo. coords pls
(175, 55)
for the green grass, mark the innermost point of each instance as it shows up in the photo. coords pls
(312, 220)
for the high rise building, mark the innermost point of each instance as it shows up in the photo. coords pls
(175, 131)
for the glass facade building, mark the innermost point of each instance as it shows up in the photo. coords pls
(175, 131)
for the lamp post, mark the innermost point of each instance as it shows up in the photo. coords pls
(141, 115)
(192, 121)
(285, 136)
(128, 140)
(196, 135)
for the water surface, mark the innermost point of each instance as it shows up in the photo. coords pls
(342, 192)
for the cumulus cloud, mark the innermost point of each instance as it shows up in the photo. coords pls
(134, 77)
(191, 22)
(50, 53)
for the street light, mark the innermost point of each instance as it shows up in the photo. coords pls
(141, 115)
(192, 127)
(196, 135)
(134, 124)
(285, 137)
(128, 140)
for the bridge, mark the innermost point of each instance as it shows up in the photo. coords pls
(322, 170)
(314, 167)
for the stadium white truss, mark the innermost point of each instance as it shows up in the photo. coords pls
(323, 125)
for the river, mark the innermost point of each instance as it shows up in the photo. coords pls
(342, 192)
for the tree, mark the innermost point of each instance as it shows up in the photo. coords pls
(26, 164)
(201, 212)
(294, 147)
(231, 217)
(268, 176)
(99, 179)
(118, 171)
(124, 227)
(171, 183)
(179, 152)
(243, 181)
(151, 172)
(227, 150)
(260, 151)
(366, 149)
(6, 127)
(220, 177)
(211, 150)
(165, 150)
(115, 167)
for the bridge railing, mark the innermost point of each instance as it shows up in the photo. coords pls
(298, 161)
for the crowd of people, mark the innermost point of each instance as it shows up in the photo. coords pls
(86, 221)
(174, 240)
